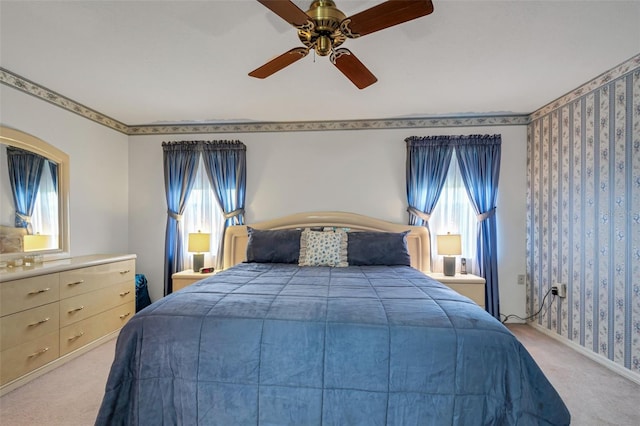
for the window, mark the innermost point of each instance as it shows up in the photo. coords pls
(454, 213)
(202, 213)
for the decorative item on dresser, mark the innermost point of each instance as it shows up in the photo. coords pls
(54, 311)
(468, 285)
(187, 277)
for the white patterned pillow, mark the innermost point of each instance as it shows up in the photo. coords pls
(320, 248)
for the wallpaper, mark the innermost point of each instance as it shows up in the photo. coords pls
(583, 217)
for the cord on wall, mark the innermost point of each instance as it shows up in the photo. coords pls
(506, 317)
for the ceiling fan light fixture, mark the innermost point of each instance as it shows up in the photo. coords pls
(324, 46)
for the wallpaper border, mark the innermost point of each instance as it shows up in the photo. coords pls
(20, 83)
(310, 126)
(11, 79)
(588, 87)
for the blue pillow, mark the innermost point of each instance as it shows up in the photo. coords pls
(378, 248)
(273, 246)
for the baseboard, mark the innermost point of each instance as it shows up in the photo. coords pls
(605, 362)
(23, 380)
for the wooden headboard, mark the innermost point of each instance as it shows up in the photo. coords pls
(235, 238)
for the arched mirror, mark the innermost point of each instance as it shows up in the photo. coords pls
(34, 197)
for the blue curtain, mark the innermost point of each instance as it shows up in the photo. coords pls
(428, 161)
(180, 161)
(226, 166)
(25, 170)
(479, 160)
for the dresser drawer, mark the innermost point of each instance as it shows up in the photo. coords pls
(19, 295)
(87, 305)
(20, 360)
(28, 325)
(84, 332)
(84, 280)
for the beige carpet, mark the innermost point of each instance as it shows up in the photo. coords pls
(595, 395)
(71, 395)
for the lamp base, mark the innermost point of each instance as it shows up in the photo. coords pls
(198, 262)
(449, 266)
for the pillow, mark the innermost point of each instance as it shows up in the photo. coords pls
(273, 246)
(378, 248)
(320, 248)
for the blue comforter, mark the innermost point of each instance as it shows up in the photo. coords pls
(278, 344)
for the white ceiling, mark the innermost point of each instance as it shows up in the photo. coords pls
(149, 62)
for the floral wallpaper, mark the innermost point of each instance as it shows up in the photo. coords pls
(583, 216)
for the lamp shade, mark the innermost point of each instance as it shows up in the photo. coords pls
(199, 242)
(37, 242)
(449, 245)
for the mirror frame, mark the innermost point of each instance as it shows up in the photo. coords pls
(33, 144)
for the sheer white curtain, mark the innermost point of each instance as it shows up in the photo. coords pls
(202, 213)
(454, 213)
(44, 219)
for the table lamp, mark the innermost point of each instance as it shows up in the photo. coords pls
(449, 246)
(199, 243)
(36, 242)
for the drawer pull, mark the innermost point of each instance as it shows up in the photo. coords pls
(123, 316)
(38, 353)
(42, 290)
(75, 283)
(75, 310)
(77, 336)
(42, 321)
(124, 293)
(126, 271)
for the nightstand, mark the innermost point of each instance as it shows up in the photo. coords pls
(187, 277)
(468, 285)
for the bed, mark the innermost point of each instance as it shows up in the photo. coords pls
(269, 342)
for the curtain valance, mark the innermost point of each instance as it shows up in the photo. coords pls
(439, 141)
(201, 145)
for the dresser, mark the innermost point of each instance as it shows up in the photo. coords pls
(187, 277)
(53, 312)
(468, 285)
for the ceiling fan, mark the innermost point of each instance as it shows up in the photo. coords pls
(324, 28)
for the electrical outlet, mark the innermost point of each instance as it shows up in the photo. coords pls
(559, 289)
(563, 290)
(521, 279)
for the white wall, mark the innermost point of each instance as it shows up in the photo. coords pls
(98, 160)
(360, 171)
(117, 202)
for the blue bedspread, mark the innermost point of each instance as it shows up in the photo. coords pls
(277, 344)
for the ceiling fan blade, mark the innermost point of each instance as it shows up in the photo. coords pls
(280, 62)
(288, 11)
(385, 15)
(352, 68)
